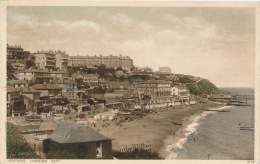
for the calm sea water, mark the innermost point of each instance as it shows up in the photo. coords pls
(218, 135)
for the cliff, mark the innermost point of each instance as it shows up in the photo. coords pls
(198, 85)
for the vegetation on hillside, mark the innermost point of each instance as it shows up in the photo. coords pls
(186, 79)
(202, 87)
(10, 71)
(17, 147)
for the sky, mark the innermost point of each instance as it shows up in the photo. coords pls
(213, 43)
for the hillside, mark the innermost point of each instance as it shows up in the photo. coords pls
(197, 85)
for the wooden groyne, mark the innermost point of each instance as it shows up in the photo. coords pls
(215, 110)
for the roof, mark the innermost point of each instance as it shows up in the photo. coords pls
(58, 72)
(29, 90)
(45, 87)
(47, 126)
(16, 82)
(157, 82)
(69, 132)
(30, 70)
(10, 89)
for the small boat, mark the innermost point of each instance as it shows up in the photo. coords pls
(247, 128)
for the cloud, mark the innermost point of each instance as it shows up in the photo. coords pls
(212, 43)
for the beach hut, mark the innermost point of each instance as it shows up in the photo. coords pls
(70, 141)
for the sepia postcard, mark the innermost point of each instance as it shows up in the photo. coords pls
(130, 81)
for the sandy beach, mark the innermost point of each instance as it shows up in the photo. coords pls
(156, 129)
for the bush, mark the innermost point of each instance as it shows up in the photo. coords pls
(17, 147)
(60, 155)
(136, 154)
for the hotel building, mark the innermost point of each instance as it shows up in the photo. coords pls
(109, 61)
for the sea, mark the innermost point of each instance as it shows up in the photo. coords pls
(217, 135)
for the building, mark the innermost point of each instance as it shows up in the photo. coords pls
(62, 60)
(76, 141)
(17, 83)
(91, 110)
(119, 74)
(103, 83)
(144, 69)
(118, 85)
(183, 92)
(91, 80)
(34, 76)
(48, 89)
(16, 54)
(45, 60)
(109, 61)
(155, 88)
(31, 98)
(164, 70)
(58, 76)
(174, 91)
(15, 102)
(68, 86)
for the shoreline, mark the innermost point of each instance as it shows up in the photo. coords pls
(190, 127)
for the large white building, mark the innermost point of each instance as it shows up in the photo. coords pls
(165, 70)
(109, 61)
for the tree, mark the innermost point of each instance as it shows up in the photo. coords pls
(10, 67)
(119, 68)
(10, 71)
(91, 102)
(17, 147)
(29, 63)
(102, 71)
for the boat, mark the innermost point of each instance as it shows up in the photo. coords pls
(247, 128)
